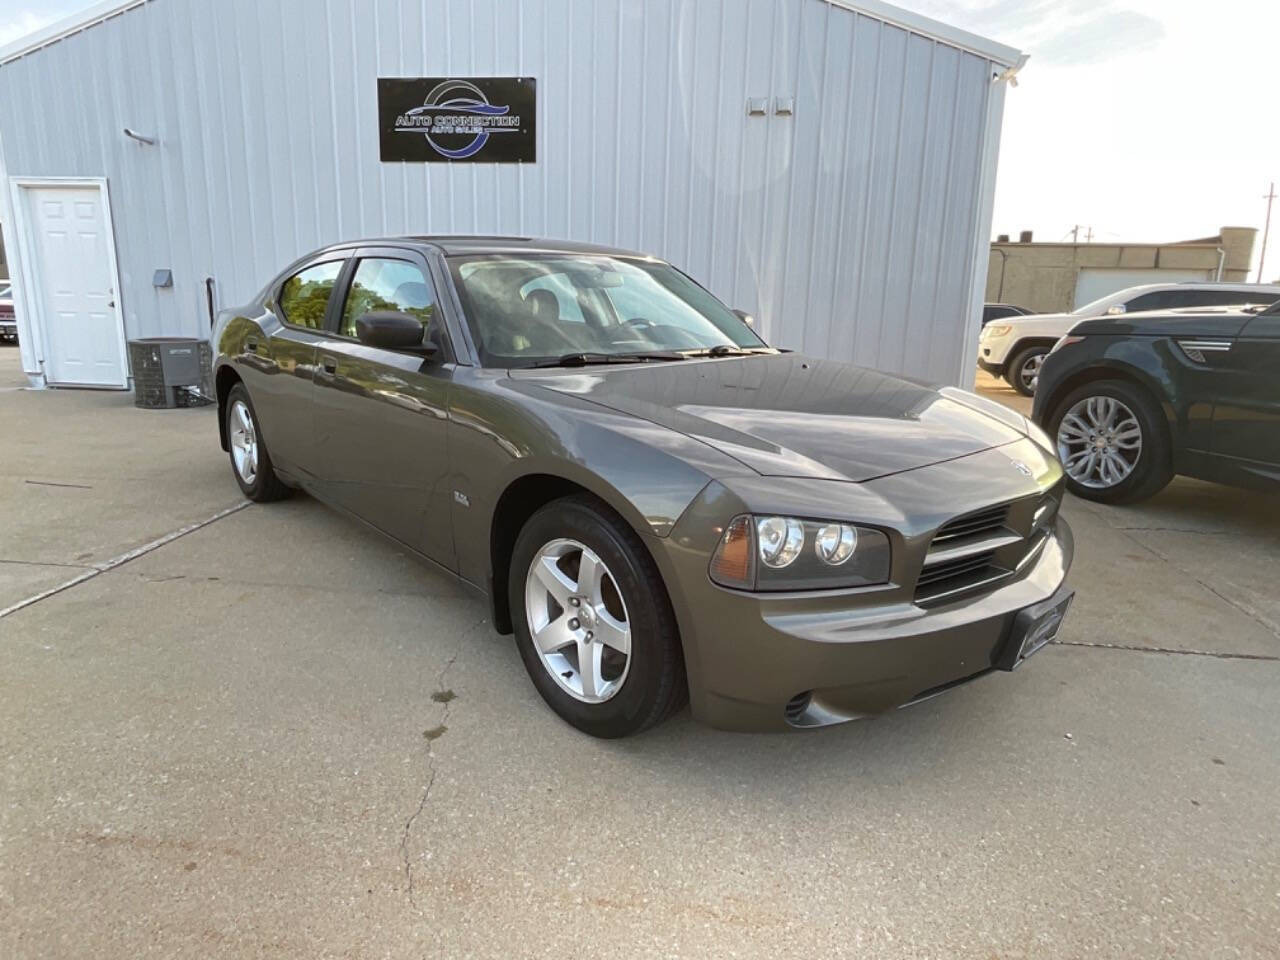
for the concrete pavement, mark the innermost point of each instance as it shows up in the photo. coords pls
(278, 735)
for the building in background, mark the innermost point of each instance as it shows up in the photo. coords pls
(827, 165)
(1058, 277)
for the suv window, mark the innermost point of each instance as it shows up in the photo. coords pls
(305, 296)
(384, 284)
(1159, 300)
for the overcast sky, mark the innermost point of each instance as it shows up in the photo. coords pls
(1143, 119)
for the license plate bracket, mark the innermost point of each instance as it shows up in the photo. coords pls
(1034, 628)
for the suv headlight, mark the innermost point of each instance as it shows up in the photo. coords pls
(789, 553)
(993, 330)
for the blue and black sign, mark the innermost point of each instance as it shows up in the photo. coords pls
(458, 120)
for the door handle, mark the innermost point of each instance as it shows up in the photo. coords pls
(251, 346)
(329, 364)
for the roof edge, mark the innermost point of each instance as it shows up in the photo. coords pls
(914, 22)
(917, 23)
(83, 20)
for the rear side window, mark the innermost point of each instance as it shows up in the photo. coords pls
(383, 284)
(304, 297)
(1160, 300)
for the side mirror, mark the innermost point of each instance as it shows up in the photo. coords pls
(393, 330)
(1116, 310)
(746, 318)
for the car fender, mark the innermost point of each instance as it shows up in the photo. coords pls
(648, 474)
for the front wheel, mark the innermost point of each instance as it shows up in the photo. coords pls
(593, 620)
(1113, 442)
(1024, 370)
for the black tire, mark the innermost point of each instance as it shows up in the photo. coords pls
(265, 486)
(1013, 372)
(1154, 467)
(654, 685)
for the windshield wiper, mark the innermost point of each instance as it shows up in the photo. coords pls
(589, 359)
(725, 350)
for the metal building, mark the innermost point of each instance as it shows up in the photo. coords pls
(827, 165)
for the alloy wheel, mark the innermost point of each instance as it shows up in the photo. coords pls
(1099, 442)
(1029, 372)
(578, 620)
(244, 442)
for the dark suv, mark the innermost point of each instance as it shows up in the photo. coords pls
(1132, 400)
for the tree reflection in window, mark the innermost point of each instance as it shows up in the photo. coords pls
(305, 295)
(387, 285)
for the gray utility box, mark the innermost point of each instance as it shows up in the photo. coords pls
(171, 372)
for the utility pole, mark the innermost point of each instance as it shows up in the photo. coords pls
(1088, 237)
(1266, 232)
(1075, 233)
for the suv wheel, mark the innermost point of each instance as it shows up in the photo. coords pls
(593, 621)
(1023, 372)
(1112, 441)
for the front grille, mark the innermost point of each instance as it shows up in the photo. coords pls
(975, 551)
(943, 575)
(991, 520)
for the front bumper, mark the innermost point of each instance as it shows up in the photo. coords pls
(995, 369)
(766, 662)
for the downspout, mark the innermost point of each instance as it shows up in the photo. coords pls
(1222, 261)
(1004, 262)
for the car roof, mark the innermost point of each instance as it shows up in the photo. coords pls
(1198, 285)
(482, 244)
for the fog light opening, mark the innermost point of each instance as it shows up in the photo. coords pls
(795, 709)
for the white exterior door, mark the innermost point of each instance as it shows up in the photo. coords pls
(75, 286)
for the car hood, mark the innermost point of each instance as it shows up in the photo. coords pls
(787, 415)
(1047, 324)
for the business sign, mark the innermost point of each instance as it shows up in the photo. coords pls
(458, 120)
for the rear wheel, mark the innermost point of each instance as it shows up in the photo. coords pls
(1023, 372)
(1113, 442)
(593, 621)
(250, 461)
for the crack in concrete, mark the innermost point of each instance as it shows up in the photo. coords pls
(1266, 658)
(50, 563)
(433, 770)
(1127, 532)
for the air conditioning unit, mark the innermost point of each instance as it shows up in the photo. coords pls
(171, 372)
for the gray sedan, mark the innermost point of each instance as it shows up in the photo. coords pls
(661, 507)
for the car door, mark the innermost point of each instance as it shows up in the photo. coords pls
(279, 365)
(381, 415)
(1246, 414)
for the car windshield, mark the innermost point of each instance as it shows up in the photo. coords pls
(547, 309)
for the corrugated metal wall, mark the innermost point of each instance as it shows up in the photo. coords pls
(849, 228)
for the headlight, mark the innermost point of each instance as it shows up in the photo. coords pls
(1066, 341)
(1042, 439)
(788, 553)
(997, 329)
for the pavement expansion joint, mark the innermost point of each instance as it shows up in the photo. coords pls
(98, 569)
(1266, 658)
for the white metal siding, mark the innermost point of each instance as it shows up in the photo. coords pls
(850, 228)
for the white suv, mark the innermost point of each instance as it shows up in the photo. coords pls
(1015, 348)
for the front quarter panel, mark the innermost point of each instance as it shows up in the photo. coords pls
(503, 430)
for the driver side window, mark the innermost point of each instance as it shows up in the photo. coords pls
(384, 284)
